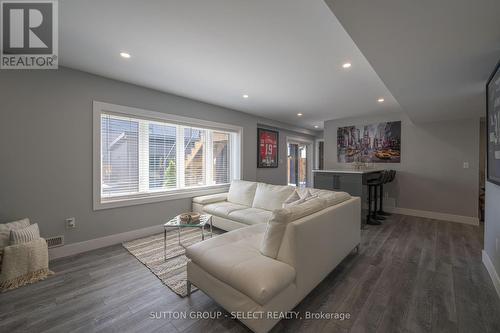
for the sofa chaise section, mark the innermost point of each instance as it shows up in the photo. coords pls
(232, 269)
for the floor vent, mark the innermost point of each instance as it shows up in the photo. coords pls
(55, 241)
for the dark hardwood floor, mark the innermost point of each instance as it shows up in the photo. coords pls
(411, 275)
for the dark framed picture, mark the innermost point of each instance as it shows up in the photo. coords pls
(493, 126)
(267, 148)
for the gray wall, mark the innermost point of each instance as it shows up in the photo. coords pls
(492, 224)
(430, 176)
(46, 147)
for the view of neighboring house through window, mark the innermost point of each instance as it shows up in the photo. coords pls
(221, 171)
(194, 157)
(162, 156)
(145, 157)
(120, 160)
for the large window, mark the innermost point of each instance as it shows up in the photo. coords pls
(142, 157)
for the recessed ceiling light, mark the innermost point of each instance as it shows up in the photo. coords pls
(245, 96)
(347, 65)
(380, 100)
(299, 114)
(125, 55)
(316, 126)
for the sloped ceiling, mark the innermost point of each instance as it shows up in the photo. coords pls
(434, 56)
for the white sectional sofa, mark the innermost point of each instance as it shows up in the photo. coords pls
(248, 203)
(277, 255)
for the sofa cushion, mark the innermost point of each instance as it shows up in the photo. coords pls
(302, 192)
(7, 227)
(208, 199)
(251, 215)
(275, 229)
(241, 192)
(292, 198)
(306, 208)
(222, 208)
(276, 226)
(234, 259)
(271, 197)
(332, 198)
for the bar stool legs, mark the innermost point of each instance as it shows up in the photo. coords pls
(377, 186)
(376, 200)
(390, 177)
(380, 211)
(370, 218)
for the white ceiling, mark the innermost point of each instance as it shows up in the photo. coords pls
(287, 55)
(434, 55)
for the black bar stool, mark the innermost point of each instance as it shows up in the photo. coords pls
(373, 185)
(391, 174)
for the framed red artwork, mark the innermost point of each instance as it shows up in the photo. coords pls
(267, 148)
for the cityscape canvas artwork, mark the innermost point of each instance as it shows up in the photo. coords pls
(374, 143)
(493, 116)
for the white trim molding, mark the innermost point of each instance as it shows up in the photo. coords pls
(491, 270)
(434, 215)
(97, 243)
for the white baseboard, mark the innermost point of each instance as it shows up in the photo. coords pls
(491, 270)
(434, 215)
(76, 248)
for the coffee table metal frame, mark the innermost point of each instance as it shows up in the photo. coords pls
(178, 224)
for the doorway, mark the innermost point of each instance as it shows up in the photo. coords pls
(298, 163)
(319, 154)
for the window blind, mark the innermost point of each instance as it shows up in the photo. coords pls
(162, 156)
(120, 159)
(221, 167)
(142, 156)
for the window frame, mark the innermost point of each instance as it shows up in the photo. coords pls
(100, 202)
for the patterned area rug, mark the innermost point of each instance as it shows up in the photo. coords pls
(172, 272)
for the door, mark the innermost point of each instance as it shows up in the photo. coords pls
(297, 164)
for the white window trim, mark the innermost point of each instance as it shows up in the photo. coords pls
(122, 201)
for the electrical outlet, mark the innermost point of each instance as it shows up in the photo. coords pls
(466, 165)
(70, 223)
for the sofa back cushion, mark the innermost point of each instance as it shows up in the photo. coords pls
(306, 208)
(242, 192)
(275, 230)
(271, 197)
(281, 217)
(332, 197)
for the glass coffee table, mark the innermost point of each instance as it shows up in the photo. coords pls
(177, 223)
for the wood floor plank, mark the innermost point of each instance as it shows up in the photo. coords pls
(467, 302)
(420, 310)
(396, 313)
(411, 275)
(444, 315)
